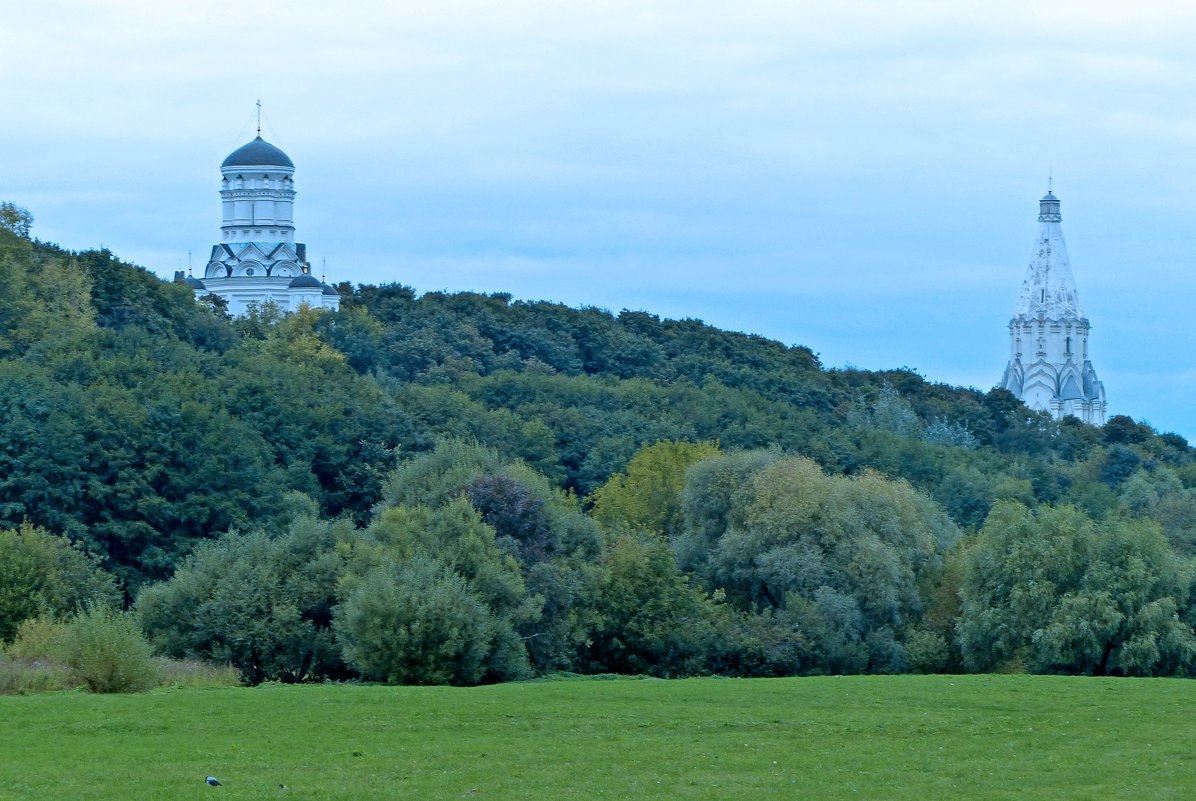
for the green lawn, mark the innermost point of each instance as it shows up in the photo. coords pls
(928, 738)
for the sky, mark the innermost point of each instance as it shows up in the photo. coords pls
(861, 178)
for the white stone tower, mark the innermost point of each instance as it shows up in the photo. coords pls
(1049, 368)
(258, 259)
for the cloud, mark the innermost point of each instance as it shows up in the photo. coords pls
(859, 176)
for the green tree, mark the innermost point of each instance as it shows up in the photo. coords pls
(866, 537)
(442, 574)
(648, 495)
(555, 547)
(843, 558)
(717, 491)
(42, 301)
(41, 573)
(1049, 591)
(650, 620)
(261, 603)
(419, 622)
(1162, 497)
(15, 220)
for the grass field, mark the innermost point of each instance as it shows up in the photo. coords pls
(903, 737)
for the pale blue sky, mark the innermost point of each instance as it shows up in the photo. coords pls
(858, 177)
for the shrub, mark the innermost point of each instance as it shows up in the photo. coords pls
(196, 673)
(32, 661)
(420, 623)
(36, 661)
(927, 652)
(38, 639)
(18, 677)
(260, 603)
(107, 651)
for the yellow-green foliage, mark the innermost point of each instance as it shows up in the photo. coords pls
(42, 300)
(98, 647)
(32, 662)
(107, 651)
(41, 572)
(36, 661)
(648, 495)
(38, 639)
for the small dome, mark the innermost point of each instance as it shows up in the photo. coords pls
(258, 153)
(305, 281)
(330, 291)
(194, 282)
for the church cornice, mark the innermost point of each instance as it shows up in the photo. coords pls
(232, 193)
(1041, 317)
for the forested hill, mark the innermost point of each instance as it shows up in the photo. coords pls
(139, 423)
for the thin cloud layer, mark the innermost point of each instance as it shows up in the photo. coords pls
(859, 177)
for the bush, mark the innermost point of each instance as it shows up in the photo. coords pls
(420, 623)
(107, 651)
(38, 639)
(195, 673)
(32, 662)
(927, 652)
(36, 660)
(260, 603)
(18, 677)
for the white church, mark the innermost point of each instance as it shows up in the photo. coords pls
(1049, 368)
(257, 259)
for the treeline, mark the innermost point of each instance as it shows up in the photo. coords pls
(463, 488)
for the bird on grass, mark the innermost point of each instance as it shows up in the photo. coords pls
(212, 780)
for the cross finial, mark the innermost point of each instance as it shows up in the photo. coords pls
(1050, 177)
(259, 117)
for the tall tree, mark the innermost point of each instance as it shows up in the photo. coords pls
(1050, 591)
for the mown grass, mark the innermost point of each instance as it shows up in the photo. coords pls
(903, 737)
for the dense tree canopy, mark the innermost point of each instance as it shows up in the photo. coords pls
(536, 488)
(1052, 591)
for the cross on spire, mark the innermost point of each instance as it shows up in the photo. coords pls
(259, 117)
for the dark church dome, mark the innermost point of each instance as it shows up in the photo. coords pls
(258, 153)
(305, 281)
